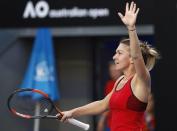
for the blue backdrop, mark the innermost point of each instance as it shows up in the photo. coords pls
(41, 72)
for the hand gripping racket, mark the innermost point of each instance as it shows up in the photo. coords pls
(22, 104)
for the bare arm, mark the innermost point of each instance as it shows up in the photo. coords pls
(93, 108)
(129, 19)
(96, 107)
(89, 109)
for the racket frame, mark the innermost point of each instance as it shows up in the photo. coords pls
(75, 122)
(28, 116)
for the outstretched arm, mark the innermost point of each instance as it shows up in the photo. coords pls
(129, 19)
(93, 108)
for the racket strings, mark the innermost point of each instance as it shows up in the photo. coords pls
(28, 105)
(45, 106)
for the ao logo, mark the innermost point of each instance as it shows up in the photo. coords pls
(41, 10)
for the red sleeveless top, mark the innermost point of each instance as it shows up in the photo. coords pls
(127, 110)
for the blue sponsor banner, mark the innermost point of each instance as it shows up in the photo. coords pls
(41, 72)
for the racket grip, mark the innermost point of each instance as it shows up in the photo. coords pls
(79, 124)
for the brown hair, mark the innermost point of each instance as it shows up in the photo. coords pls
(149, 53)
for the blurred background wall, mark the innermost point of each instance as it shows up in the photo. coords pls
(165, 72)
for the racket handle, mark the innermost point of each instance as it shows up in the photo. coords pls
(79, 124)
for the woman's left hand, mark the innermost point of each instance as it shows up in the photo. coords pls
(131, 12)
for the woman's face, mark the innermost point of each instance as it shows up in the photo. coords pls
(122, 57)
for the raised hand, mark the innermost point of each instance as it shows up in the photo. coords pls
(131, 12)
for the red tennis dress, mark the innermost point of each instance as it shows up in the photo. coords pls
(127, 110)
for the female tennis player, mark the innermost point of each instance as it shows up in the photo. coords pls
(128, 99)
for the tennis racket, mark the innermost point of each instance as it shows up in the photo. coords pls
(34, 104)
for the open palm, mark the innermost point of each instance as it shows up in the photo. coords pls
(131, 12)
